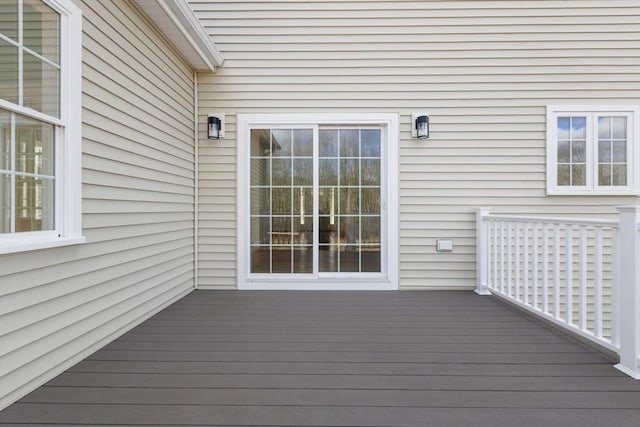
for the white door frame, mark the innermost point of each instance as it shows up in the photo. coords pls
(389, 278)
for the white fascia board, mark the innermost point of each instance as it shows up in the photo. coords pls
(181, 27)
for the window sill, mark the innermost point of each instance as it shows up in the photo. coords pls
(37, 243)
(587, 192)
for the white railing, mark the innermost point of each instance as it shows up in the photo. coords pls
(581, 274)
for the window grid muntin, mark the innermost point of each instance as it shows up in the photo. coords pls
(20, 52)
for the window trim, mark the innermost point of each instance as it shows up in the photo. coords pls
(389, 279)
(592, 187)
(68, 153)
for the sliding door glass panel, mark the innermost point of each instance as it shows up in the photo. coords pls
(349, 200)
(284, 184)
(281, 201)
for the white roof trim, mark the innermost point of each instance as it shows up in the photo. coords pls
(178, 23)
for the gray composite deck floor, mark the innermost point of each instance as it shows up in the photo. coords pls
(337, 358)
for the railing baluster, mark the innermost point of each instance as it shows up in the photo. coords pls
(509, 251)
(556, 270)
(489, 252)
(494, 274)
(517, 265)
(583, 277)
(569, 274)
(525, 263)
(534, 265)
(545, 268)
(502, 256)
(615, 286)
(598, 283)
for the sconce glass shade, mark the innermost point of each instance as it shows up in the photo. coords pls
(213, 127)
(422, 127)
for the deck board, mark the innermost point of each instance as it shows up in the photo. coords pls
(337, 358)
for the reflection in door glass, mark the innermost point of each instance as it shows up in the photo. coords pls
(348, 211)
(349, 200)
(281, 201)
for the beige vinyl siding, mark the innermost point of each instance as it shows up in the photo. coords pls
(483, 70)
(217, 204)
(59, 305)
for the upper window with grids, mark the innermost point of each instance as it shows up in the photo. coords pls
(592, 150)
(40, 120)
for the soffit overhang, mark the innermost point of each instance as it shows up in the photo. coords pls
(180, 26)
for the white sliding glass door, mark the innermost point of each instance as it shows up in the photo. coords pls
(314, 203)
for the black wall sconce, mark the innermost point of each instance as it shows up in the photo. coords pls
(420, 125)
(215, 126)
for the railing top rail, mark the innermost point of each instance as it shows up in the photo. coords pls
(553, 220)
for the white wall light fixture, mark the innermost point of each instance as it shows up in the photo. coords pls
(420, 125)
(215, 126)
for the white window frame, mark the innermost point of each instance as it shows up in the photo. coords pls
(68, 142)
(632, 112)
(388, 279)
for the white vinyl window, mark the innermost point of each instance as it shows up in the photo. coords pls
(40, 120)
(317, 201)
(592, 150)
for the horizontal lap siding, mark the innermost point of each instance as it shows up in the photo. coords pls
(484, 70)
(58, 305)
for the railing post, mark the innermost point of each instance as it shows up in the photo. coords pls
(482, 252)
(627, 290)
